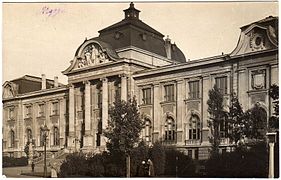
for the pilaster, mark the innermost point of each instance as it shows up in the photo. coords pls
(124, 87)
(104, 108)
(71, 138)
(206, 86)
(180, 107)
(156, 112)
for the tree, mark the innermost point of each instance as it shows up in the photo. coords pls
(26, 149)
(257, 119)
(274, 94)
(237, 122)
(124, 127)
(217, 116)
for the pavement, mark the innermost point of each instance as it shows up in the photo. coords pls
(15, 172)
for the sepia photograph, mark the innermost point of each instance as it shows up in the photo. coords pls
(140, 89)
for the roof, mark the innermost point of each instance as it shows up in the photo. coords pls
(29, 83)
(264, 21)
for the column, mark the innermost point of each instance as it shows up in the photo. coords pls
(71, 138)
(104, 108)
(180, 107)
(156, 112)
(124, 87)
(88, 139)
(206, 86)
(242, 88)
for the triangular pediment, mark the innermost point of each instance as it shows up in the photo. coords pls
(10, 90)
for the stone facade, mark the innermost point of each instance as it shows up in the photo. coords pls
(172, 93)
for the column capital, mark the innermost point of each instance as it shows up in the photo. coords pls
(104, 79)
(123, 75)
(156, 84)
(71, 85)
(179, 81)
(86, 82)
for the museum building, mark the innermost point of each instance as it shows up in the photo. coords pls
(128, 59)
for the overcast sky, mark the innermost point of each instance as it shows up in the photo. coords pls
(35, 42)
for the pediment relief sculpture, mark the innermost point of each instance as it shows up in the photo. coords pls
(92, 54)
(9, 90)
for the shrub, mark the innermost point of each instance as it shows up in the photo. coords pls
(14, 162)
(178, 165)
(158, 157)
(242, 163)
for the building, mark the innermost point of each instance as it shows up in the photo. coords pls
(130, 58)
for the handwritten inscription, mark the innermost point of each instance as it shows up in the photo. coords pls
(50, 12)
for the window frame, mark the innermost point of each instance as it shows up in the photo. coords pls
(169, 92)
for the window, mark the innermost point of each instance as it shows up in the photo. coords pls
(170, 134)
(194, 127)
(28, 112)
(223, 128)
(12, 139)
(56, 137)
(147, 130)
(41, 110)
(194, 89)
(221, 83)
(146, 96)
(117, 91)
(29, 135)
(99, 94)
(169, 93)
(55, 108)
(41, 138)
(11, 113)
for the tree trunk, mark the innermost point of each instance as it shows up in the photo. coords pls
(128, 169)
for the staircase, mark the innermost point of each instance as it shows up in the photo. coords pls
(60, 155)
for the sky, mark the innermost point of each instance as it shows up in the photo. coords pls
(35, 42)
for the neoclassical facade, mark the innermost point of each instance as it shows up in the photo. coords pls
(129, 59)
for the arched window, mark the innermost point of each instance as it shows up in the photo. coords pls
(170, 134)
(194, 127)
(29, 135)
(147, 130)
(12, 138)
(41, 137)
(56, 136)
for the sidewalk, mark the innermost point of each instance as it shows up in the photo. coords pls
(16, 172)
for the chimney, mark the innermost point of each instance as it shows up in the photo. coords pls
(56, 81)
(168, 47)
(43, 81)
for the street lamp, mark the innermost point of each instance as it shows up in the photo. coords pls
(45, 134)
(271, 140)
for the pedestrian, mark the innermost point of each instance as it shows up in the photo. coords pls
(32, 166)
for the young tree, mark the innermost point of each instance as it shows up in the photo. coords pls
(124, 127)
(217, 116)
(274, 94)
(237, 122)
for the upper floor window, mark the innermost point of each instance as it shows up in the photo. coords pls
(193, 89)
(194, 127)
(146, 96)
(28, 112)
(12, 139)
(42, 138)
(99, 97)
(55, 108)
(169, 93)
(11, 113)
(56, 136)
(170, 133)
(221, 83)
(41, 110)
(147, 130)
(117, 91)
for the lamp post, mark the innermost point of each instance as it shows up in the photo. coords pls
(45, 134)
(271, 140)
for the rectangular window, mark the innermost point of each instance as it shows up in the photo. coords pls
(169, 93)
(99, 94)
(55, 108)
(221, 83)
(193, 89)
(41, 110)
(146, 96)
